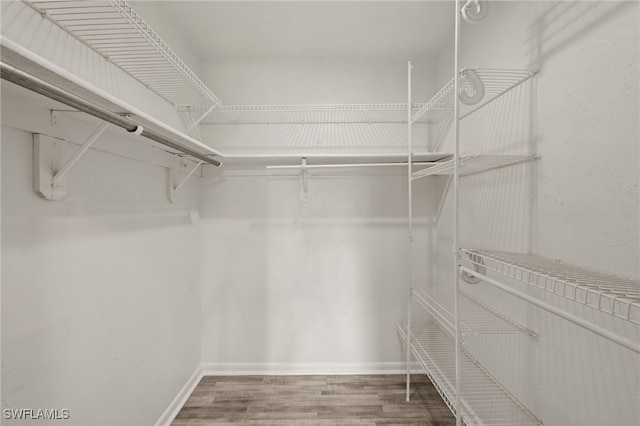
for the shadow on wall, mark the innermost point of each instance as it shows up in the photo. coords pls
(559, 23)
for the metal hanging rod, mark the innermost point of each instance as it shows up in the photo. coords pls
(41, 87)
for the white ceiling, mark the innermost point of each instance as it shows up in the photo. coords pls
(312, 29)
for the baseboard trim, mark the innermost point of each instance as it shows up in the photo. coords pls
(275, 368)
(172, 411)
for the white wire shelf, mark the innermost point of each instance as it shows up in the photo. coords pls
(483, 400)
(313, 139)
(617, 296)
(303, 114)
(496, 82)
(474, 164)
(476, 318)
(440, 108)
(309, 129)
(114, 30)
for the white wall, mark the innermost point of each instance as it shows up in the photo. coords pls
(317, 81)
(579, 203)
(100, 291)
(305, 287)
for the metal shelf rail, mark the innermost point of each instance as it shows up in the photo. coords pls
(614, 295)
(483, 401)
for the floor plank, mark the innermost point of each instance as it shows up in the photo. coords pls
(313, 400)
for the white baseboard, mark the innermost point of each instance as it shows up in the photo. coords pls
(276, 368)
(172, 411)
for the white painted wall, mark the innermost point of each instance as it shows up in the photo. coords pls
(317, 81)
(100, 291)
(579, 203)
(303, 287)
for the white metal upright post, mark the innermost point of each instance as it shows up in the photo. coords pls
(410, 207)
(456, 165)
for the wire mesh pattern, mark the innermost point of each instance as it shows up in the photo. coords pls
(114, 30)
(475, 317)
(314, 138)
(474, 164)
(483, 400)
(440, 107)
(310, 129)
(612, 294)
(303, 114)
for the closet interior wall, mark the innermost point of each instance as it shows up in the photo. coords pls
(578, 203)
(307, 286)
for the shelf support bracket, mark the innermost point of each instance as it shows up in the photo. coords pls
(474, 11)
(79, 153)
(305, 196)
(49, 182)
(173, 175)
(477, 85)
(202, 117)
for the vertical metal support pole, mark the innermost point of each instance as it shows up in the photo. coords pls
(456, 165)
(410, 206)
(76, 155)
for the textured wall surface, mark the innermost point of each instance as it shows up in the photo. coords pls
(578, 204)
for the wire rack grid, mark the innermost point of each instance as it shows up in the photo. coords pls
(483, 400)
(304, 114)
(115, 31)
(615, 295)
(474, 164)
(476, 318)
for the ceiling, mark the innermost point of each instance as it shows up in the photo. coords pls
(312, 29)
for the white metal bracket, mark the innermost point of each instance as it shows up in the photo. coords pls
(48, 176)
(54, 117)
(46, 160)
(305, 196)
(175, 183)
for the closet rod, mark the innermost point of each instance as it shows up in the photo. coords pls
(34, 84)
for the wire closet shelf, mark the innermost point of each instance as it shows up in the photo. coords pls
(115, 31)
(614, 295)
(495, 84)
(483, 400)
(477, 318)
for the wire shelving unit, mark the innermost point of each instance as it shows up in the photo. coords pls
(477, 318)
(484, 401)
(115, 31)
(496, 82)
(614, 295)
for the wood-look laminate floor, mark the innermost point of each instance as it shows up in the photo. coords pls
(314, 400)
